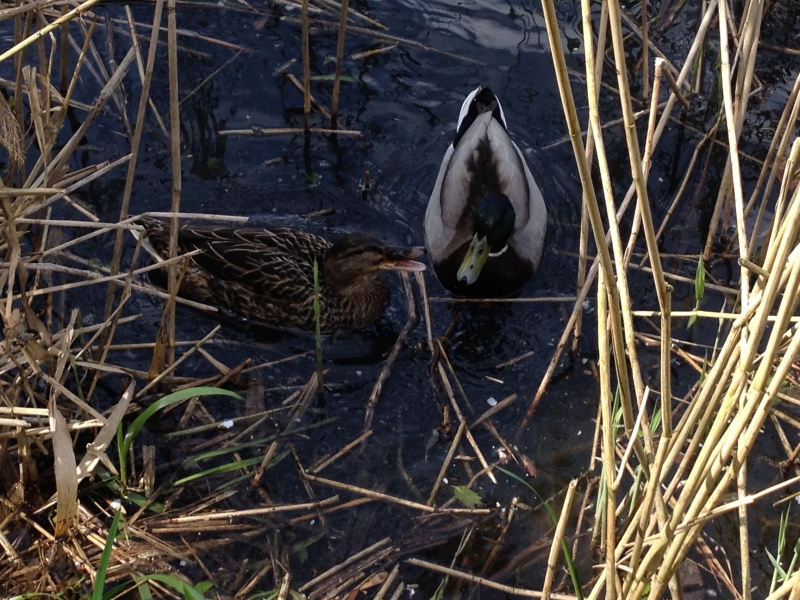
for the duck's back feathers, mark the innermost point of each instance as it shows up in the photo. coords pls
(483, 160)
(246, 270)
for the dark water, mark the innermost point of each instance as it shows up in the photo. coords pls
(405, 103)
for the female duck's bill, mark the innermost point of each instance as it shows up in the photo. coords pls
(486, 219)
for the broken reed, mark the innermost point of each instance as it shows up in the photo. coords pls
(706, 451)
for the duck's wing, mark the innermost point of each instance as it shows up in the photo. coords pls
(485, 160)
(273, 263)
(448, 217)
(276, 264)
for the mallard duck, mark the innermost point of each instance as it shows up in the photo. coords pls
(267, 274)
(486, 219)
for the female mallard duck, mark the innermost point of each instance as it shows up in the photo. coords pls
(486, 219)
(267, 274)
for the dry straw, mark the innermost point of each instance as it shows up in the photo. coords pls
(666, 466)
(687, 466)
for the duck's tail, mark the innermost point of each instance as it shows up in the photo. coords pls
(481, 100)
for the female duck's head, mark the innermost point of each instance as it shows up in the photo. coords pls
(355, 256)
(492, 226)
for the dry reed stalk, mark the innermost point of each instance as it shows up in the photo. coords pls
(707, 479)
(646, 55)
(58, 162)
(90, 278)
(287, 130)
(41, 33)
(646, 158)
(457, 410)
(135, 141)
(225, 515)
(615, 309)
(339, 57)
(211, 76)
(514, 591)
(306, 67)
(614, 233)
(684, 183)
(630, 22)
(747, 47)
(142, 69)
(777, 150)
(451, 452)
(386, 371)
(607, 519)
(426, 308)
(733, 142)
(560, 346)
(558, 536)
(329, 460)
(174, 364)
(353, 559)
(309, 389)
(583, 244)
(637, 168)
(384, 589)
(191, 35)
(699, 411)
(294, 81)
(377, 35)
(383, 50)
(91, 174)
(394, 499)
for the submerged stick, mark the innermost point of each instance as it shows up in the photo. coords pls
(175, 153)
(514, 591)
(413, 319)
(306, 68)
(318, 331)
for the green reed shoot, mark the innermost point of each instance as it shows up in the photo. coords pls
(699, 288)
(780, 575)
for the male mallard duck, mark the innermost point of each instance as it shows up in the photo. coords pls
(486, 219)
(267, 274)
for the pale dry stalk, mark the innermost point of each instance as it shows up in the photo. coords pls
(712, 471)
(558, 536)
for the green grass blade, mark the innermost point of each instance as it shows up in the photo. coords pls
(179, 585)
(117, 590)
(227, 468)
(138, 424)
(102, 568)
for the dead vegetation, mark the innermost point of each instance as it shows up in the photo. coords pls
(668, 465)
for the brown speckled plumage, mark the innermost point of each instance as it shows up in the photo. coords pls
(267, 274)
